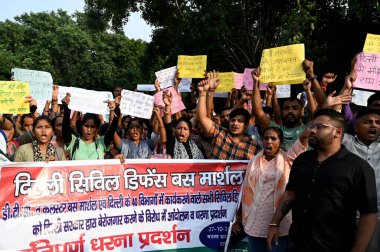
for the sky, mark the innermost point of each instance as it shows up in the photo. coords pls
(136, 28)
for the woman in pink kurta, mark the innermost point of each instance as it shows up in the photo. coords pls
(265, 180)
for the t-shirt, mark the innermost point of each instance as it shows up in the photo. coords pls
(92, 151)
(290, 134)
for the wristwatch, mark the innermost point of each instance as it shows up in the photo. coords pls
(312, 78)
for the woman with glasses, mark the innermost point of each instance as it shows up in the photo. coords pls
(89, 146)
(179, 144)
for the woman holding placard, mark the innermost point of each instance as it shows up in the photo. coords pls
(89, 146)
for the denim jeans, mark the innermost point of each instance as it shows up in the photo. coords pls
(257, 244)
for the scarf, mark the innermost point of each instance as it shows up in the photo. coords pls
(253, 183)
(180, 151)
(37, 155)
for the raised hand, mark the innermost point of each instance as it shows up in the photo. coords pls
(234, 94)
(329, 78)
(306, 85)
(213, 78)
(66, 99)
(271, 89)
(177, 80)
(339, 100)
(55, 92)
(111, 105)
(167, 97)
(256, 75)
(247, 95)
(29, 99)
(308, 67)
(203, 86)
(117, 100)
(157, 111)
(157, 85)
(349, 80)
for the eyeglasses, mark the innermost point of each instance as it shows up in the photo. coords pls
(136, 127)
(320, 126)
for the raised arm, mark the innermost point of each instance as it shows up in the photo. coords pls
(157, 114)
(167, 97)
(272, 100)
(66, 134)
(205, 122)
(310, 98)
(115, 110)
(262, 119)
(319, 93)
(214, 76)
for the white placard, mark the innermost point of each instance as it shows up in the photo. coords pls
(283, 91)
(136, 104)
(166, 76)
(184, 85)
(62, 91)
(40, 82)
(360, 97)
(145, 87)
(89, 101)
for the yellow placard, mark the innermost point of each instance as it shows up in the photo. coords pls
(192, 66)
(283, 64)
(372, 43)
(226, 82)
(12, 97)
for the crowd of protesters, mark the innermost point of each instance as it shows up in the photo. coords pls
(319, 159)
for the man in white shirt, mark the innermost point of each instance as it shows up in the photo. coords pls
(366, 144)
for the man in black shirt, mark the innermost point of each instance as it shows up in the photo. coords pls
(326, 187)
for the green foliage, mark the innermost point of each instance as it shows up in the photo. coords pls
(234, 33)
(67, 48)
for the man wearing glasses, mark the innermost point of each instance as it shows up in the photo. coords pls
(326, 187)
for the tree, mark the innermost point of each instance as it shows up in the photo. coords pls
(67, 48)
(234, 33)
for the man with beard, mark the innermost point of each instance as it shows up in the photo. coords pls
(291, 114)
(327, 185)
(231, 144)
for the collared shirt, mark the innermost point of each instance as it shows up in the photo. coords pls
(290, 134)
(370, 153)
(328, 194)
(224, 147)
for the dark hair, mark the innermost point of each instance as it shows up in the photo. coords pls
(125, 118)
(186, 120)
(191, 107)
(279, 132)
(25, 116)
(333, 115)
(103, 129)
(150, 129)
(373, 97)
(135, 119)
(41, 118)
(224, 109)
(55, 120)
(240, 111)
(268, 110)
(367, 111)
(291, 99)
(90, 116)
